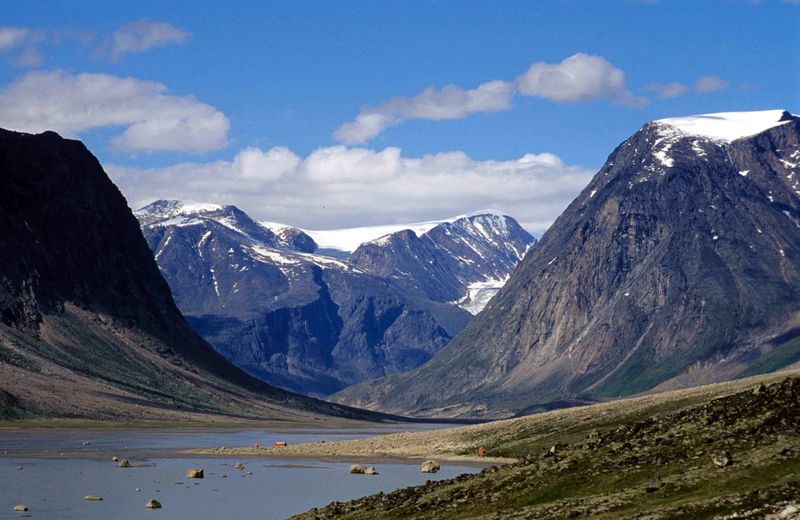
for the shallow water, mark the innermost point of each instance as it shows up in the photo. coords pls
(53, 485)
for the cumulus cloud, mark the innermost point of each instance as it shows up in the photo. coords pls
(23, 42)
(450, 102)
(144, 35)
(706, 84)
(579, 78)
(153, 119)
(340, 186)
(11, 37)
(667, 90)
(703, 85)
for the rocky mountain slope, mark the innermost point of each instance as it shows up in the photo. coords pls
(679, 264)
(301, 321)
(465, 261)
(88, 327)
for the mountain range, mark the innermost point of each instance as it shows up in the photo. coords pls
(679, 264)
(276, 306)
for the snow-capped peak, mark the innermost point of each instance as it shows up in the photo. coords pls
(166, 209)
(348, 239)
(728, 126)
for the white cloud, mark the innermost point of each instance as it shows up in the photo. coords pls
(705, 84)
(143, 35)
(11, 37)
(23, 42)
(30, 57)
(667, 90)
(339, 186)
(451, 102)
(581, 77)
(73, 103)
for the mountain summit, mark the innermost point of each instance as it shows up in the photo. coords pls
(679, 264)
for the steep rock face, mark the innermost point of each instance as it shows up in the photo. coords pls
(679, 264)
(451, 261)
(88, 327)
(301, 321)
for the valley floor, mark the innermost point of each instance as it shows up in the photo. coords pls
(704, 452)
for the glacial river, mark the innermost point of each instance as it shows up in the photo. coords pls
(60, 466)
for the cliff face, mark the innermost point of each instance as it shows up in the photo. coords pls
(679, 264)
(88, 326)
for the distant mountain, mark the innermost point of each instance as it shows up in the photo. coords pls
(88, 327)
(301, 321)
(464, 261)
(678, 265)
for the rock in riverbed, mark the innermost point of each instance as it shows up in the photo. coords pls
(153, 504)
(194, 473)
(370, 471)
(238, 465)
(92, 498)
(124, 463)
(429, 466)
(358, 469)
(20, 508)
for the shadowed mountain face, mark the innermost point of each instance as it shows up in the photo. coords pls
(88, 327)
(679, 264)
(301, 321)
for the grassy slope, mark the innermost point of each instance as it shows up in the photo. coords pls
(606, 454)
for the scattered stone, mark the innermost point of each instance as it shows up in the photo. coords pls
(654, 484)
(759, 389)
(790, 511)
(238, 465)
(124, 463)
(429, 466)
(722, 458)
(20, 508)
(358, 469)
(153, 504)
(92, 498)
(370, 471)
(194, 473)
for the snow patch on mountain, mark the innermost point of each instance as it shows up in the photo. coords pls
(728, 126)
(479, 294)
(348, 239)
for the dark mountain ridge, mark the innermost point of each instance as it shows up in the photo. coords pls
(88, 327)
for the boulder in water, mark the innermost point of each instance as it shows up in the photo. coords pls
(429, 466)
(194, 473)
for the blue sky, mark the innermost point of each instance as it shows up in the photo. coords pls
(209, 91)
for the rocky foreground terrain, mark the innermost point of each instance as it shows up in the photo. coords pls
(729, 450)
